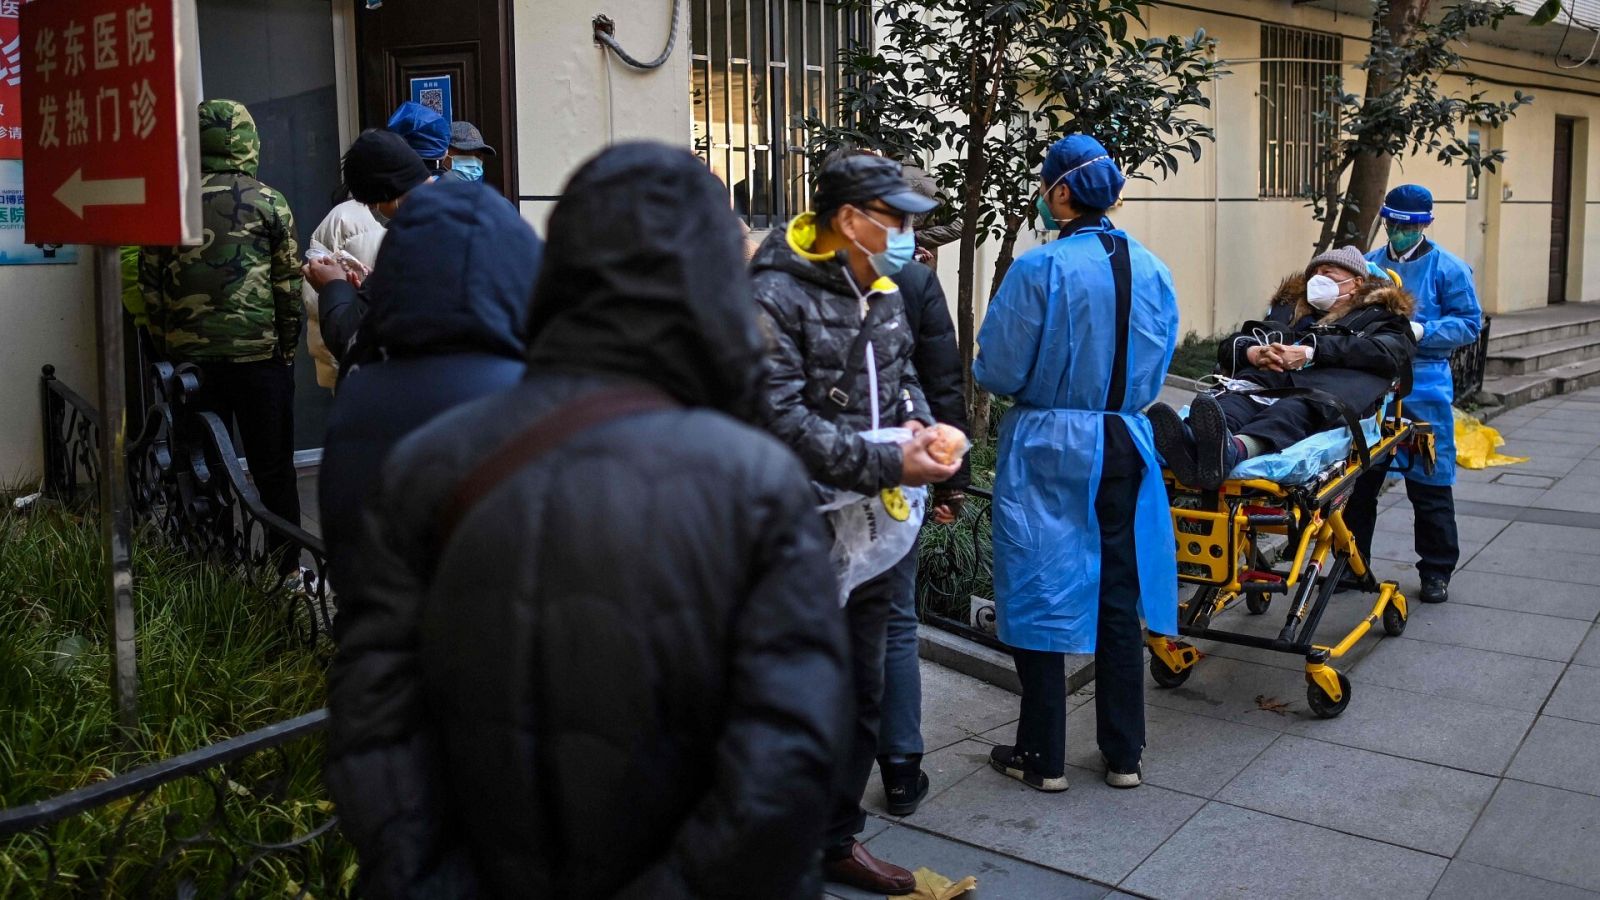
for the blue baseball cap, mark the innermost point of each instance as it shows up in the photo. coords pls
(1088, 169)
(425, 130)
(1408, 203)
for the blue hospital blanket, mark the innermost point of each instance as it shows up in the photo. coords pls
(1302, 461)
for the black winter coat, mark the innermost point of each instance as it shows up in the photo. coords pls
(936, 357)
(623, 675)
(451, 293)
(813, 315)
(1363, 343)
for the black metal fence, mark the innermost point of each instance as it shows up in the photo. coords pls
(1467, 365)
(205, 806)
(955, 573)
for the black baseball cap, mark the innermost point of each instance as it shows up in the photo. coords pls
(859, 178)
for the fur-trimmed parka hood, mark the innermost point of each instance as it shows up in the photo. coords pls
(1374, 292)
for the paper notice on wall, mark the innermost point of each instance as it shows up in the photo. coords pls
(10, 80)
(14, 251)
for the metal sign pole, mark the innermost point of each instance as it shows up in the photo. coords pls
(114, 518)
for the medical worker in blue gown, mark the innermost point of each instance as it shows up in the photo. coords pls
(1447, 316)
(1080, 334)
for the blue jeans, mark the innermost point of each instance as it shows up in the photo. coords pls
(901, 731)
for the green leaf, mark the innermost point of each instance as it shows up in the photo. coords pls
(1546, 14)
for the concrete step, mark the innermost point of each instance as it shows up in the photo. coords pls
(1512, 331)
(1510, 391)
(1545, 355)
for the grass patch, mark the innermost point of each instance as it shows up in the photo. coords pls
(1196, 356)
(215, 661)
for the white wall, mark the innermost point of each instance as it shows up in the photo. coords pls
(46, 317)
(565, 112)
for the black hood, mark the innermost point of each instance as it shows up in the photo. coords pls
(644, 276)
(781, 252)
(455, 274)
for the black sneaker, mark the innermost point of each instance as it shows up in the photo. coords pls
(1435, 590)
(1174, 442)
(905, 785)
(1008, 762)
(1214, 448)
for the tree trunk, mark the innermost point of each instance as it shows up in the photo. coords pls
(978, 405)
(1369, 176)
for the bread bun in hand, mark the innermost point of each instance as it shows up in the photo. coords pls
(949, 444)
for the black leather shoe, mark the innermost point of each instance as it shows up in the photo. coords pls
(905, 785)
(1214, 448)
(1173, 442)
(1008, 762)
(1435, 590)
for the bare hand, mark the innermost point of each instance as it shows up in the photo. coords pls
(917, 467)
(323, 271)
(1264, 357)
(912, 425)
(1291, 356)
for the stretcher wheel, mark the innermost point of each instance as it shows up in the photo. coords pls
(1322, 704)
(1394, 621)
(1164, 676)
(1257, 603)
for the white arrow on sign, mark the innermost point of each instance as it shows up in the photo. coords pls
(77, 193)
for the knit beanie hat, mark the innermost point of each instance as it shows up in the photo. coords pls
(1347, 258)
(381, 166)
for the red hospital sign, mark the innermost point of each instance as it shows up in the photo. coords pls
(109, 123)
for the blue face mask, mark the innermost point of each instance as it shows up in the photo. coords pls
(467, 167)
(897, 252)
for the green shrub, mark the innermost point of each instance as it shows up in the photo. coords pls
(1196, 356)
(215, 661)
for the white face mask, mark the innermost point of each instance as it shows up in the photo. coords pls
(1322, 292)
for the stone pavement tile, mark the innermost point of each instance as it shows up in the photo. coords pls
(1553, 565)
(1579, 481)
(1579, 421)
(1460, 673)
(1500, 630)
(956, 707)
(1228, 852)
(1540, 831)
(1538, 536)
(1549, 466)
(1399, 545)
(1569, 500)
(998, 876)
(1498, 493)
(1183, 752)
(1563, 754)
(1519, 594)
(1586, 467)
(1223, 688)
(1514, 479)
(945, 769)
(1439, 730)
(1577, 696)
(1518, 445)
(1092, 830)
(1540, 432)
(1386, 798)
(1469, 881)
(1589, 653)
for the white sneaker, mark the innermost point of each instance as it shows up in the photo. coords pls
(1126, 779)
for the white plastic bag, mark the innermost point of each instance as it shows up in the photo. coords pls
(871, 534)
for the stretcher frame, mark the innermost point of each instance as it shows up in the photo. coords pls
(1217, 549)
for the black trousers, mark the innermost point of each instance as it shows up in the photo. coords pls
(1118, 654)
(257, 398)
(1433, 509)
(1285, 422)
(867, 615)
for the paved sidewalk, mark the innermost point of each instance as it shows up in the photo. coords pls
(1466, 766)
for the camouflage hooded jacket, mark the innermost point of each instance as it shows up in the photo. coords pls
(236, 297)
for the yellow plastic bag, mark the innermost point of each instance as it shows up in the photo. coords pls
(933, 886)
(1476, 444)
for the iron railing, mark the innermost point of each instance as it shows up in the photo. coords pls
(955, 572)
(184, 827)
(1467, 365)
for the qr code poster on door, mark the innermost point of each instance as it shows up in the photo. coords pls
(436, 93)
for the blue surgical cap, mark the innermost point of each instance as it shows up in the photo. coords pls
(425, 130)
(1091, 174)
(1408, 203)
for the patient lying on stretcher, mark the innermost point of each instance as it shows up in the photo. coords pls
(1341, 328)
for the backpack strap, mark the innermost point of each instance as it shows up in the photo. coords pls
(839, 392)
(550, 431)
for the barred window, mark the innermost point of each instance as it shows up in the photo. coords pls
(759, 67)
(1297, 69)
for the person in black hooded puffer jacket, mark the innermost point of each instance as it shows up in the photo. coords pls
(449, 303)
(621, 674)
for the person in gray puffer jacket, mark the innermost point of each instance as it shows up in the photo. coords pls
(830, 305)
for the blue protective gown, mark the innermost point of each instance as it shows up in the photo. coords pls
(1048, 340)
(1448, 310)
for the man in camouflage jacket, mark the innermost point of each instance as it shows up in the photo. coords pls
(232, 305)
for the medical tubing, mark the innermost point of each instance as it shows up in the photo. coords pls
(610, 41)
